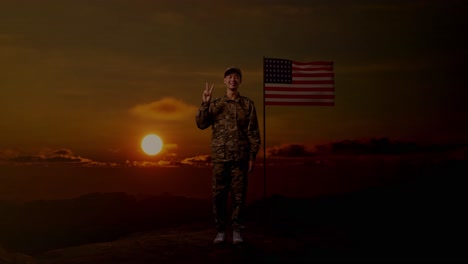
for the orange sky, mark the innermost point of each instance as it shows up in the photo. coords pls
(87, 80)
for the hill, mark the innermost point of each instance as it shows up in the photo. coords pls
(414, 219)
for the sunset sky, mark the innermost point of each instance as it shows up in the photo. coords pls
(86, 80)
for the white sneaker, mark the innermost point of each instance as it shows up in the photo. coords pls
(220, 238)
(236, 237)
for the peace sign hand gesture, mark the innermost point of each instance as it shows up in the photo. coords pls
(207, 93)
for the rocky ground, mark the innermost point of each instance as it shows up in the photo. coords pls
(418, 220)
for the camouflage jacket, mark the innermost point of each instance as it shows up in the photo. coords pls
(235, 134)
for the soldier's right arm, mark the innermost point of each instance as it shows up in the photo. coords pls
(203, 118)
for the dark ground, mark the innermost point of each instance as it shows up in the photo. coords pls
(423, 218)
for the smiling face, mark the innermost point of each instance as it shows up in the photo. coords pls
(232, 81)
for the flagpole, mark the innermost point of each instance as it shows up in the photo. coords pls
(264, 135)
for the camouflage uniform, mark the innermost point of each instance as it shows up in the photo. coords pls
(235, 140)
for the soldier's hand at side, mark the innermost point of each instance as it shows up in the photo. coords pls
(251, 166)
(207, 93)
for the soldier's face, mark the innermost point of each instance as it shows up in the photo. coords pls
(232, 81)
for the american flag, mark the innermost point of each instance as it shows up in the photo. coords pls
(289, 82)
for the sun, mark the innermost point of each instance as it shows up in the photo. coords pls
(151, 144)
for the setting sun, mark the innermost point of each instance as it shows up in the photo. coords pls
(151, 144)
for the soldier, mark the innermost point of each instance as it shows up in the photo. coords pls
(235, 141)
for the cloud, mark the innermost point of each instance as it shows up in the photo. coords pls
(6, 154)
(150, 164)
(290, 150)
(197, 161)
(171, 146)
(201, 160)
(66, 157)
(384, 146)
(50, 156)
(167, 108)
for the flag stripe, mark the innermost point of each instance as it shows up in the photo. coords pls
(299, 100)
(312, 79)
(308, 74)
(272, 86)
(289, 82)
(299, 92)
(303, 96)
(303, 103)
(328, 63)
(311, 68)
(313, 82)
(292, 90)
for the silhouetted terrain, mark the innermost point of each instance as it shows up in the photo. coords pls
(43, 225)
(418, 218)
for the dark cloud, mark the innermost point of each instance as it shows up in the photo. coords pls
(149, 164)
(52, 156)
(201, 160)
(26, 159)
(385, 146)
(60, 156)
(372, 146)
(197, 161)
(291, 150)
(62, 152)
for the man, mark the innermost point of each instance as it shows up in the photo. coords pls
(235, 141)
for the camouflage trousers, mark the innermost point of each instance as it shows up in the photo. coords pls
(229, 177)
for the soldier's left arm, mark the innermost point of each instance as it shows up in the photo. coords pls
(253, 133)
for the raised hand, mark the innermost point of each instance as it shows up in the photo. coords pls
(207, 93)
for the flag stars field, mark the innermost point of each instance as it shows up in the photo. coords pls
(298, 83)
